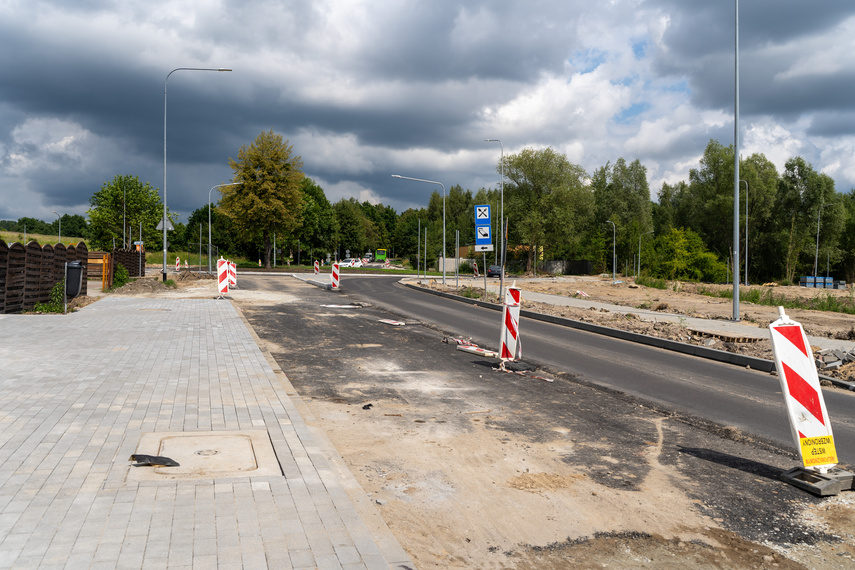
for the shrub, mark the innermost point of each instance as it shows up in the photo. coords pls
(57, 300)
(120, 276)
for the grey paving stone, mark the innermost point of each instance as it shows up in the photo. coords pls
(72, 421)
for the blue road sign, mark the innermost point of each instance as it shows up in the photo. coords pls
(482, 215)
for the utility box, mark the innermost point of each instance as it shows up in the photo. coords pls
(73, 278)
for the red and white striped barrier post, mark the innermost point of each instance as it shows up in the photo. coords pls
(222, 276)
(475, 267)
(186, 264)
(317, 267)
(511, 348)
(177, 263)
(809, 421)
(232, 274)
(335, 276)
(386, 264)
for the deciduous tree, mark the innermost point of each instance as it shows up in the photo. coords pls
(268, 198)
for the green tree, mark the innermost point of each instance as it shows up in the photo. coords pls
(621, 194)
(319, 231)
(141, 205)
(681, 254)
(354, 228)
(548, 201)
(269, 197)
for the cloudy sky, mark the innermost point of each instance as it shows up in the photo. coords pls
(365, 89)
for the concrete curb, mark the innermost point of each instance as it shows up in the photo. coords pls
(752, 362)
(320, 284)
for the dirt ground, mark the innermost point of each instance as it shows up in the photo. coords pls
(468, 477)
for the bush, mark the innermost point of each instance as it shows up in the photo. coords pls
(57, 300)
(465, 267)
(120, 276)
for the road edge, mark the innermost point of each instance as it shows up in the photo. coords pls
(752, 362)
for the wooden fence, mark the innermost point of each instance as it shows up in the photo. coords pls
(28, 273)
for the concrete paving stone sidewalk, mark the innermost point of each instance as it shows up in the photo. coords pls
(78, 392)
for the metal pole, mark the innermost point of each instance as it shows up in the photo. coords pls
(425, 253)
(200, 247)
(59, 235)
(419, 252)
(502, 218)
(124, 223)
(746, 232)
(443, 219)
(614, 255)
(485, 274)
(142, 253)
(209, 218)
(816, 256)
(736, 165)
(457, 261)
(164, 148)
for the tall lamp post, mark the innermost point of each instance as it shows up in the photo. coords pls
(746, 231)
(614, 254)
(501, 226)
(443, 218)
(209, 218)
(818, 217)
(164, 147)
(736, 163)
(59, 218)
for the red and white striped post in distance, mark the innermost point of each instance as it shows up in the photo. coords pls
(386, 263)
(317, 267)
(509, 342)
(335, 276)
(177, 264)
(232, 274)
(475, 267)
(222, 276)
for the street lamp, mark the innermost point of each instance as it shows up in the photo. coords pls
(746, 231)
(816, 257)
(501, 226)
(639, 251)
(164, 147)
(443, 218)
(209, 218)
(614, 254)
(59, 218)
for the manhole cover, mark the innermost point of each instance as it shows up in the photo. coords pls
(208, 455)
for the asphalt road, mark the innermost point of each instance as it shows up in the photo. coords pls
(723, 394)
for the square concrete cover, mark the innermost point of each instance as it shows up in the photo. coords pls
(208, 455)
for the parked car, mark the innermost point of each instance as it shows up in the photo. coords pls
(494, 271)
(351, 262)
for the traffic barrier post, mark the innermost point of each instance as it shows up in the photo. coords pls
(222, 276)
(510, 345)
(335, 278)
(809, 421)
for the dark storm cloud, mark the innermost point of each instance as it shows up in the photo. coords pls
(368, 89)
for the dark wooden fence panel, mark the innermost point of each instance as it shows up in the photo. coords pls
(29, 273)
(130, 259)
(4, 259)
(46, 272)
(32, 275)
(16, 269)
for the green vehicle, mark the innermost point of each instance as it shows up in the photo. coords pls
(380, 255)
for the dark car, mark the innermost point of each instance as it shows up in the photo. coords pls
(494, 271)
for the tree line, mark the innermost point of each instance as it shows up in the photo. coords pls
(791, 223)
